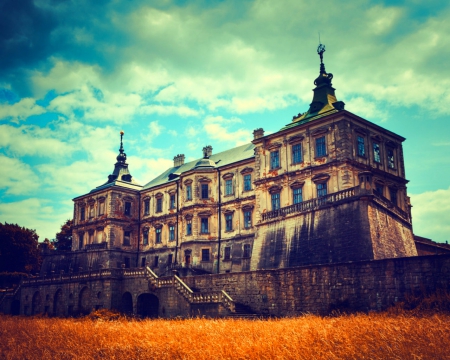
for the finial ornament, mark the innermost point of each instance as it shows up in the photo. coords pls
(320, 51)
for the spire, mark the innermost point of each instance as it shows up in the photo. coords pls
(120, 167)
(324, 99)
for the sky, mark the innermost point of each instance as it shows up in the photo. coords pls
(178, 75)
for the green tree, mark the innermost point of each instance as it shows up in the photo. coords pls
(18, 249)
(63, 241)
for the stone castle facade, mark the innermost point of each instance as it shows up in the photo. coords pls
(327, 188)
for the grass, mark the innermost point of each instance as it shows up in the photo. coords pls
(400, 335)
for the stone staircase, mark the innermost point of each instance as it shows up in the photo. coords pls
(244, 312)
(208, 297)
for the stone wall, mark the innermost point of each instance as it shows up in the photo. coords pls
(362, 286)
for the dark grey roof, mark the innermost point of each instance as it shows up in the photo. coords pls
(221, 159)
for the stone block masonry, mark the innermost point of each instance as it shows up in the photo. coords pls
(360, 286)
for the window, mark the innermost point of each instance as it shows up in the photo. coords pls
(156, 261)
(228, 187)
(205, 254)
(127, 208)
(170, 259)
(145, 237)
(101, 208)
(126, 238)
(247, 182)
(204, 225)
(189, 227)
(171, 232)
(159, 204)
(158, 235)
(228, 222)
(321, 149)
(275, 201)
(376, 152)
(274, 159)
(91, 211)
(127, 262)
(82, 209)
(296, 153)
(298, 195)
(361, 146)
(379, 189)
(91, 237)
(188, 192)
(80, 240)
(227, 253)
(147, 207)
(390, 158)
(172, 201)
(321, 190)
(247, 219)
(393, 194)
(205, 191)
(143, 262)
(246, 251)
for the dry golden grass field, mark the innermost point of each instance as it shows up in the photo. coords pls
(374, 336)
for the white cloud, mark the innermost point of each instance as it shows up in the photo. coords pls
(17, 177)
(218, 128)
(366, 109)
(431, 214)
(21, 110)
(36, 214)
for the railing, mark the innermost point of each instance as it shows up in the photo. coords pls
(192, 297)
(100, 246)
(389, 204)
(10, 293)
(76, 276)
(310, 204)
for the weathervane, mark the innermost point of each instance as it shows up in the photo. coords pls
(320, 51)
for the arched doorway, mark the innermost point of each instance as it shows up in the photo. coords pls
(15, 307)
(84, 303)
(58, 303)
(126, 305)
(148, 305)
(36, 303)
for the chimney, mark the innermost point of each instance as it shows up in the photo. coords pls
(178, 160)
(258, 133)
(207, 151)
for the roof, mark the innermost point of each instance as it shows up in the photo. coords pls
(221, 159)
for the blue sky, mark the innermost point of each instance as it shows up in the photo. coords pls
(178, 75)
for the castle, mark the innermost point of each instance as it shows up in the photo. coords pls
(327, 189)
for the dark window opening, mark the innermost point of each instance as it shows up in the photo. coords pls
(361, 146)
(188, 192)
(376, 153)
(127, 262)
(247, 219)
(205, 194)
(321, 149)
(143, 262)
(274, 160)
(228, 187)
(204, 226)
(170, 259)
(228, 222)
(126, 238)
(393, 194)
(227, 253)
(275, 201)
(172, 201)
(247, 182)
(156, 262)
(145, 238)
(246, 250)
(159, 205)
(321, 190)
(205, 254)
(128, 208)
(82, 210)
(379, 189)
(158, 235)
(296, 153)
(146, 207)
(171, 232)
(298, 198)
(80, 241)
(189, 227)
(390, 159)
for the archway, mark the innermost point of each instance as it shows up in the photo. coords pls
(58, 303)
(36, 303)
(84, 303)
(126, 305)
(15, 307)
(148, 305)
